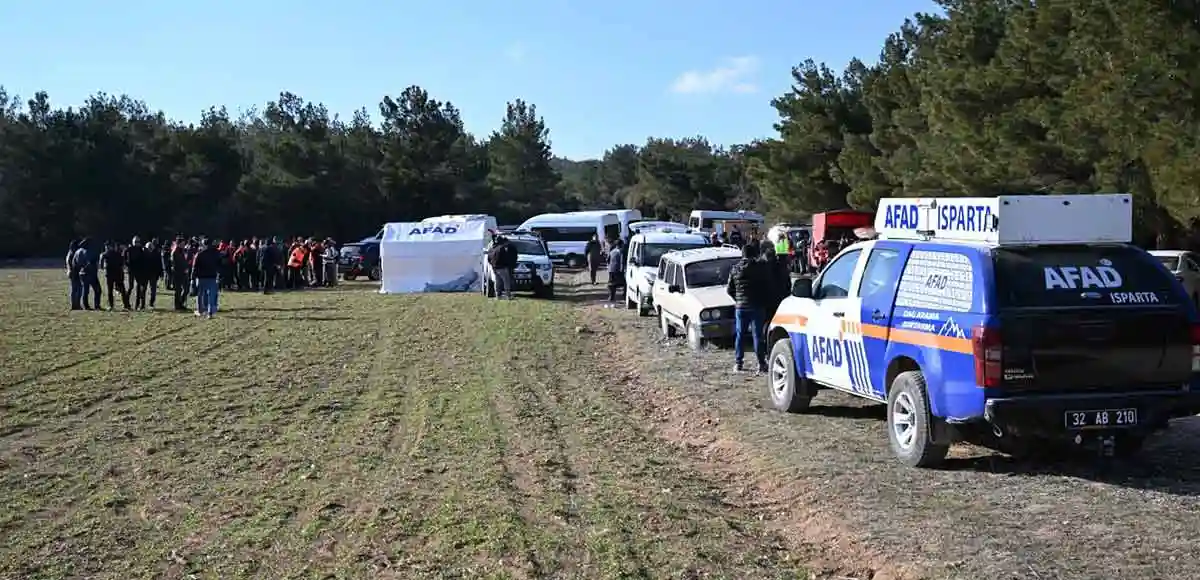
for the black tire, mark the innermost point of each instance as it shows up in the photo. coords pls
(375, 274)
(788, 391)
(489, 289)
(668, 331)
(348, 277)
(695, 340)
(915, 447)
(630, 303)
(641, 310)
(545, 292)
(574, 261)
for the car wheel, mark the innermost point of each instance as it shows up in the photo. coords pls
(489, 289)
(909, 422)
(574, 261)
(375, 274)
(641, 310)
(667, 330)
(349, 277)
(789, 391)
(694, 339)
(630, 301)
(545, 292)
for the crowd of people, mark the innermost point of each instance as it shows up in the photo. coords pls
(196, 267)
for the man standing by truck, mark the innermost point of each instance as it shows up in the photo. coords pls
(749, 286)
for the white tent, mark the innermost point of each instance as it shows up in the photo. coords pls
(443, 256)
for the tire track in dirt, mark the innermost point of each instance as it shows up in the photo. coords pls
(832, 550)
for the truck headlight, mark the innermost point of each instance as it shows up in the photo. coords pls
(711, 314)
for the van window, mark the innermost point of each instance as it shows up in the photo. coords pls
(1058, 276)
(612, 231)
(835, 280)
(565, 234)
(694, 222)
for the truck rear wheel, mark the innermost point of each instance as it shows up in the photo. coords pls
(910, 424)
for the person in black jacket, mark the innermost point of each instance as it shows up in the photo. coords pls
(779, 283)
(206, 269)
(154, 268)
(136, 260)
(748, 286)
(75, 278)
(113, 262)
(179, 273)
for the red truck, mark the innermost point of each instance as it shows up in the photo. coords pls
(832, 231)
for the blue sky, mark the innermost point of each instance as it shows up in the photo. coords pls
(601, 72)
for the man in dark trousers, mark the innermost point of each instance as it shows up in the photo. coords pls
(166, 250)
(616, 270)
(76, 289)
(179, 273)
(593, 251)
(779, 282)
(154, 268)
(87, 265)
(748, 286)
(268, 264)
(113, 262)
(137, 260)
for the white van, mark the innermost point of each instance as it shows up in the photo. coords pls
(709, 221)
(567, 234)
(645, 250)
(625, 216)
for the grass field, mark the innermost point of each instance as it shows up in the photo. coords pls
(343, 434)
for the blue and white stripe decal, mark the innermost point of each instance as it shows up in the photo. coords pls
(856, 363)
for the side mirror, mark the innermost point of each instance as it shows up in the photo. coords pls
(802, 288)
(675, 289)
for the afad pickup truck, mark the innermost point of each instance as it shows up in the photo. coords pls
(1018, 319)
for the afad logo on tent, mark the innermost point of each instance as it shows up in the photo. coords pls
(433, 229)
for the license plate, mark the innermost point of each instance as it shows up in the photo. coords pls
(1101, 418)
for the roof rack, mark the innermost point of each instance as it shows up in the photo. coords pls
(1009, 219)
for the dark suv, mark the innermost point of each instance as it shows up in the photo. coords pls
(359, 259)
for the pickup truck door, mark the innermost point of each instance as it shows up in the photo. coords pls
(877, 294)
(836, 309)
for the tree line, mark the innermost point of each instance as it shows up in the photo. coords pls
(985, 97)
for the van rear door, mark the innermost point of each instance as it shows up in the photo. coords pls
(1089, 319)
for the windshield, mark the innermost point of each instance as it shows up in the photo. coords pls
(349, 250)
(1169, 262)
(652, 253)
(528, 247)
(708, 272)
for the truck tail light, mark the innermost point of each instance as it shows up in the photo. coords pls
(988, 349)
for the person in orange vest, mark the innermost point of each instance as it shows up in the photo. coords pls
(295, 265)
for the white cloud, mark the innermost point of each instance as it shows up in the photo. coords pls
(516, 52)
(732, 75)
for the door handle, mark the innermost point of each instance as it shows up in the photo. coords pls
(877, 315)
(839, 314)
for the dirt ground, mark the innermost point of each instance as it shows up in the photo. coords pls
(341, 434)
(828, 479)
